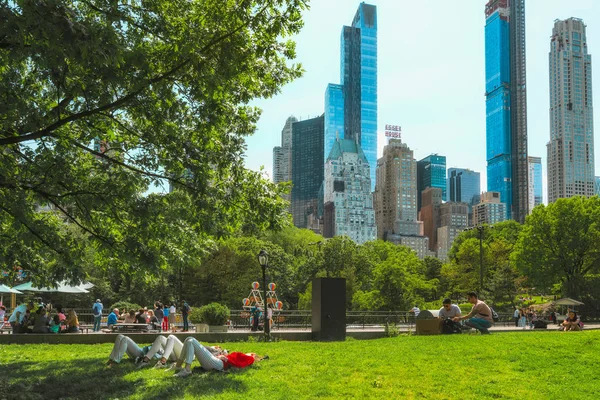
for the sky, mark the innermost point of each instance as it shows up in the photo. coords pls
(431, 75)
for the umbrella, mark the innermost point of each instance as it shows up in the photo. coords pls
(568, 302)
(6, 289)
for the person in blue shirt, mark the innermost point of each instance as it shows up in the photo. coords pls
(112, 318)
(97, 310)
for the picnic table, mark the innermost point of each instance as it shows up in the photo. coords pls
(129, 327)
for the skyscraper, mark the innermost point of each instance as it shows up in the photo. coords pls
(536, 192)
(431, 172)
(347, 193)
(506, 105)
(463, 185)
(490, 210)
(282, 155)
(598, 185)
(358, 84)
(453, 219)
(571, 146)
(307, 168)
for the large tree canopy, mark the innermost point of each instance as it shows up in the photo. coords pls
(559, 244)
(101, 99)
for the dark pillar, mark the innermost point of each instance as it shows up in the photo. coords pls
(329, 309)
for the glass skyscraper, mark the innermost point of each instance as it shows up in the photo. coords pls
(307, 168)
(334, 115)
(431, 172)
(571, 146)
(464, 186)
(358, 78)
(506, 110)
(536, 191)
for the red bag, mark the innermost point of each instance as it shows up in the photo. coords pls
(239, 360)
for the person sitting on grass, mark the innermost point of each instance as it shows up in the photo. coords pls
(209, 361)
(571, 323)
(480, 316)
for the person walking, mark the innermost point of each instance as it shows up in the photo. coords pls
(97, 310)
(172, 315)
(516, 316)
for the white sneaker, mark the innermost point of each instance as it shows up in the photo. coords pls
(160, 365)
(174, 367)
(183, 373)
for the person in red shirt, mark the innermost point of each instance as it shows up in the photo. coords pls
(209, 361)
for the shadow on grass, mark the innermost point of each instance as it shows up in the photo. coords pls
(91, 379)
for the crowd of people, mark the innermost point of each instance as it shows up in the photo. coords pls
(36, 317)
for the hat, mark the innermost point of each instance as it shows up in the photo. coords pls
(97, 300)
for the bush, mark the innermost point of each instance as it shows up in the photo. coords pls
(212, 314)
(124, 304)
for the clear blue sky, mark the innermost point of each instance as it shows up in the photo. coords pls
(431, 75)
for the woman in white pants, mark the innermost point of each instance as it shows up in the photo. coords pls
(208, 359)
(170, 348)
(124, 345)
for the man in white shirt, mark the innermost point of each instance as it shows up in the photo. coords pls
(415, 310)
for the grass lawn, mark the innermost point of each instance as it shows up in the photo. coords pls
(519, 365)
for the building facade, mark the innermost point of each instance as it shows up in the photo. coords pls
(453, 219)
(307, 168)
(490, 210)
(506, 105)
(431, 172)
(464, 185)
(347, 193)
(396, 188)
(598, 185)
(358, 87)
(571, 147)
(536, 190)
(431, 200)
(282, 156)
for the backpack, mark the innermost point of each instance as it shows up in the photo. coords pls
(495, 316)
(450, 327)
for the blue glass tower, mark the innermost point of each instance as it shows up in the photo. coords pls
(334, 115)
(358, 78)
(506, 105)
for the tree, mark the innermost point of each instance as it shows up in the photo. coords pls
(101, 100)
(559, 244)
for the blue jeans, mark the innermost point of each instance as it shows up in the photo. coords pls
(97, 323)
(185, 322)
(480, 324)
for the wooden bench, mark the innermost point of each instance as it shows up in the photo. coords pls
(5, 328)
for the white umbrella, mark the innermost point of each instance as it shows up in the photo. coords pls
(60, 288)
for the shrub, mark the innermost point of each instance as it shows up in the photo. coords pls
(211, 314)
(124, 304)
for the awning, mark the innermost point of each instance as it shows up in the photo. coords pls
(568, 302)
(6, 289)
(60, 288)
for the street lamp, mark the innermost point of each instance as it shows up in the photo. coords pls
(263, 260)
(480, 231)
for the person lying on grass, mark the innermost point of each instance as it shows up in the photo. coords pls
(209, 361)
(164, 349)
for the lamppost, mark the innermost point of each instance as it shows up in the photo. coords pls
(480, 229)
(263, 260)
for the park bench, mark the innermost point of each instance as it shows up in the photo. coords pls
(5, 328)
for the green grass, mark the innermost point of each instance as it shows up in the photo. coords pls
(520, 365)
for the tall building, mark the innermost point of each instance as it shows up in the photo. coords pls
(571, 146)
(453, 219)
(307, 168)
(536, 191)
(334, 115)
(431, 200)
(347, 193)
(464, 186)
(396, 199)
(598, 185)
(431, 172)
(506, 105)
(490, 210)
(396, 187)
(282, 155)
(358, 84)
